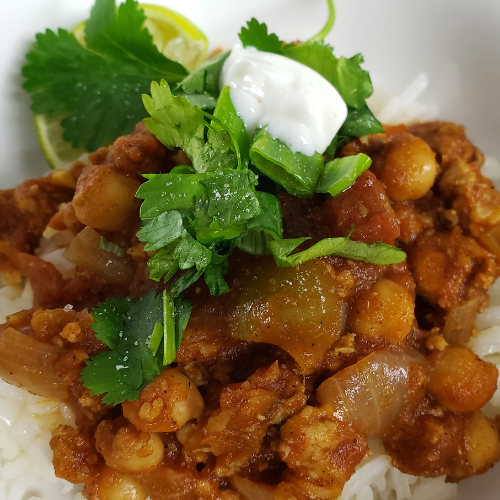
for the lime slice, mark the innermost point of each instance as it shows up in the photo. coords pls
(58, 152)
(176, 38)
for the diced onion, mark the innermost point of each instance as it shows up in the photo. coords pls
(29, 363)
(250, 490)
(491, 240)
(460, 322)
(84, 252)
(373, 391)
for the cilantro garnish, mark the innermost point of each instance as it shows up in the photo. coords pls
(195, 215)
(110, 247)
(374, 253)
(256, 35)
(134, 331)
(97, 88)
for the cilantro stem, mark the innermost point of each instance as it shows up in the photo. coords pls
(328, 26)
(169, 341)
(222, 125)
(156, 336)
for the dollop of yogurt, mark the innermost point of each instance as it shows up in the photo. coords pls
(299, 107)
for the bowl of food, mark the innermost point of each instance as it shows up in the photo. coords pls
(266, 275)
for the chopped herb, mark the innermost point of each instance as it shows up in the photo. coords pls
(204, 80)
(134, 331)
(341, 173)
(255, 35)
(110, 247)
(374, 253)
(297, 173)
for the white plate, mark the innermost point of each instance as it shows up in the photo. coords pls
(455, 42)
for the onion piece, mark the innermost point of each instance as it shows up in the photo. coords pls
(84, 252)
(460, 322)
(250, 490)
(29, 363)
(372, 392)
(491, 240)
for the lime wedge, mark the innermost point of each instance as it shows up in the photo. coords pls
(57, 152)
(176, 38)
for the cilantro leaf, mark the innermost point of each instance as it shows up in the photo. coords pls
(232, 197)
(186, 280)
(133, 331)
(227, 114)
(216, 154)
(97, 89)
(214, 205)
(109, 373)
(190, 253)
(131, 364)
(296, 172)
(204, 80)
(163, 264)
(256, 35)
(214, 278)
(263, 228)
(109, 320)
(340, 173)
(177, 123)
(374, 253)
(171, 191)
(174, 121)
(346, 75)
(360, 122)
(183, 310)
(64, 78)
(162, 230)
(119, 34)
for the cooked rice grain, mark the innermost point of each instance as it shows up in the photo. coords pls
(26, 424)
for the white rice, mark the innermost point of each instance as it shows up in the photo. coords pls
(26, 424)
(15, 298)
(52, 246)
(404, 108)
(486, 344)
(376, 478)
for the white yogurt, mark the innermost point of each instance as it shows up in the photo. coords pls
(298, 106)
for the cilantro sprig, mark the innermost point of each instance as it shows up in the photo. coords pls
(97, 88)
(134, 332)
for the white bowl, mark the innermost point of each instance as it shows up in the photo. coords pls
(456, 43)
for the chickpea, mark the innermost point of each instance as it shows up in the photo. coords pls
(166, 403)
(105, 197)
(127, 449)
(461, 381)
(111, 485)
(408, 168)
(384, 311)
(481, 443)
